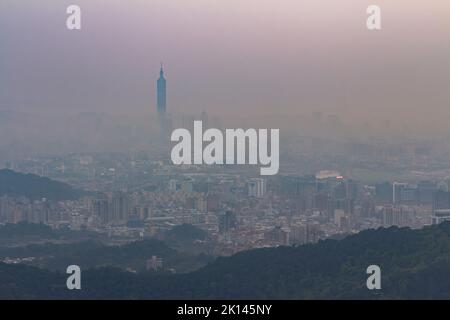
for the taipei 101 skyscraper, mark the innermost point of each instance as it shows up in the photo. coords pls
(165, 123)
(161, 93)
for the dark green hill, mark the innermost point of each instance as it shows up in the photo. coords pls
(25, 230)
(415, 264)
(95, 254)
(35, 187)
(186, 233)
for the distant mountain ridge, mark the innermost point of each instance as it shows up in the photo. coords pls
(35, 187)
(415, 264)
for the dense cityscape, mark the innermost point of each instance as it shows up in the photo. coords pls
(130, 197)
(325, 189)
(224, 150)
(135, 197)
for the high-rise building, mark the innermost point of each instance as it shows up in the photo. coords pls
(395, 216)
(100, 209)
(403, 193)
(165, 122)
(212, 202)
(441, 206)
(119, 207)
(441, 200)
(277, 236)
(227, 222)
(440, 215)
(187, 186)
(256, 188)
(173, 185)
(196, 202)
(340, 218)
(425, 190)
(161, 93)
(384, 192)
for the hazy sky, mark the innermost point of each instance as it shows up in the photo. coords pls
(232, 56)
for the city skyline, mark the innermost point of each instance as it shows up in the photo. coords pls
(307, 57)
(224, 149)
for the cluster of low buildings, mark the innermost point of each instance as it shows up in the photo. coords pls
(239, 209)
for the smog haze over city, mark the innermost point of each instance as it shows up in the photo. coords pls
(92, 94)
